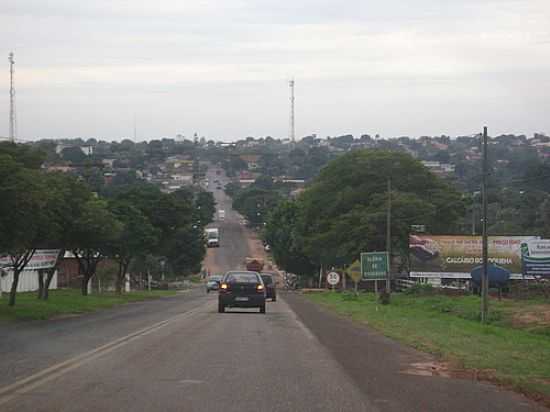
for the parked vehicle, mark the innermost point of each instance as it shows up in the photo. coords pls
(241, 289)
(270, 287)
(213, 283)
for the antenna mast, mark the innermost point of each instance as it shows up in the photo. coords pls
(13, 124)
(292, 125)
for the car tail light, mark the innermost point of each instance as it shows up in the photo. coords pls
(260, 288)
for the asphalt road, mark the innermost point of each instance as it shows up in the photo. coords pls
(233, 245)
(179, 354)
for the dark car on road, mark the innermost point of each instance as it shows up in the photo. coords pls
(241, 289)
(270, 288)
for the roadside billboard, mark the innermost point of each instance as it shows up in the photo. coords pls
(454, 257)
(42, 259)
(536, 257)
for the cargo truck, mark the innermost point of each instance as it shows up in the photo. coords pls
(213, 237)
(254, 264)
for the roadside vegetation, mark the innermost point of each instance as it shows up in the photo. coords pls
(343, 211)
(70, 302)
(133, 223)
(512, 350)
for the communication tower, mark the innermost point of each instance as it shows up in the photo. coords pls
(292, 125)
(13, 120)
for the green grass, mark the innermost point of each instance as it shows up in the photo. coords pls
(516, 354)
(68, 301)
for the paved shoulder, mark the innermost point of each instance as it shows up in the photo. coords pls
(379, 367)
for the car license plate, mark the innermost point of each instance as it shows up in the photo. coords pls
(241, 299)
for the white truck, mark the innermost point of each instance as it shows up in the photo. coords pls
(221, 214)
(213, 237)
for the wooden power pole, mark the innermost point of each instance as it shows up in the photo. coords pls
(388, 239)
(485, 240)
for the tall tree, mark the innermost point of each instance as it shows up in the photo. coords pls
(23, 215)
(68, 196)
(91, 235)
(343, 211)
(137, 237)
(186, 250)
(286, 246)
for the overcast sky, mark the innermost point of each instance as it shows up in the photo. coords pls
(221, 67)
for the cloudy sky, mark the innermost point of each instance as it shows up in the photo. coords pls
(221, 67)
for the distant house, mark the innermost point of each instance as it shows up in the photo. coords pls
(252, 161)
(440, 146)
(108, 162)
(438, 168)
(296, 182)
(246, 182)
(87, 150)
(63, 169)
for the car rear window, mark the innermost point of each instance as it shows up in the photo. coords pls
(268, 280)
(242, 278)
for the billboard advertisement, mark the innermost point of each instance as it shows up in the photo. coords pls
(536, 257)
(454, 257)
(42, 259)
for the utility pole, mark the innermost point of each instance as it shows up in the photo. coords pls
(485, 242)
(388, 239)
(473, 218)
(292, 125)
(13, 126)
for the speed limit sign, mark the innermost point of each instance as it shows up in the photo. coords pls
(333, 278)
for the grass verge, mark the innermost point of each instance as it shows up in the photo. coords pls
(68, 301)
(509, 352)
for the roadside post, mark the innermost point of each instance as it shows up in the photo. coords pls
(354, 272)
(374, 266)
(332, 279)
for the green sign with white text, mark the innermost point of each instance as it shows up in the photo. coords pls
(374, 265)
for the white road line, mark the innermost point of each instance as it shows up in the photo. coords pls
(38, 379)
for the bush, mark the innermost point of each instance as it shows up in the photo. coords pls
(421, 289)
(384, 298)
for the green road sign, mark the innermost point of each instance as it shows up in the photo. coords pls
(374, 265)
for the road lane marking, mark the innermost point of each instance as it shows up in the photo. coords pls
(9, 392)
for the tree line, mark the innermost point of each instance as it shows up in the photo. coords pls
(40, 210)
